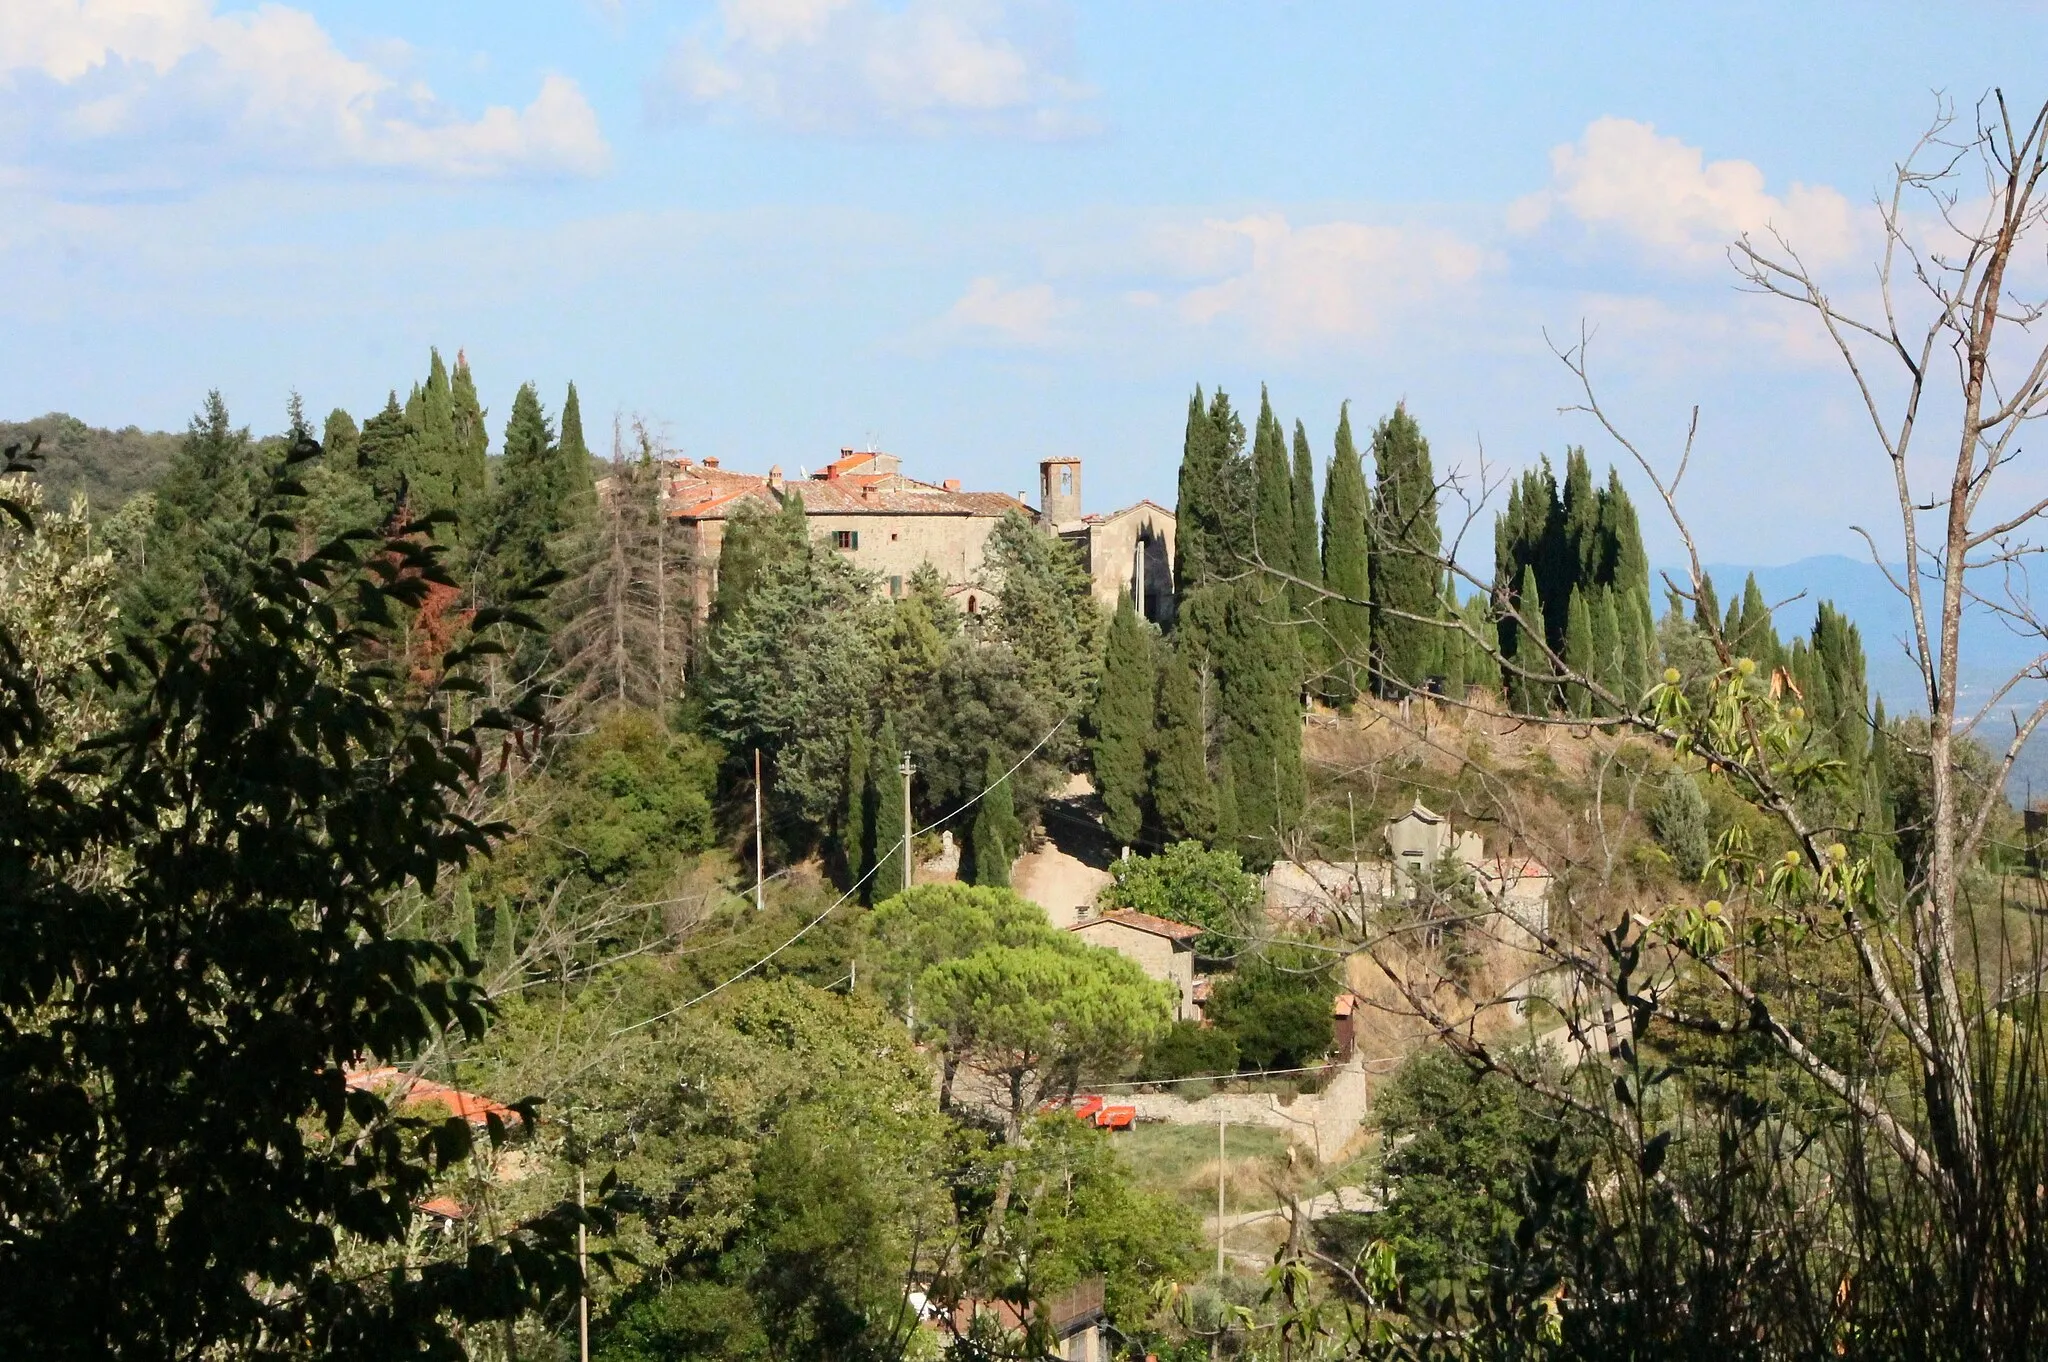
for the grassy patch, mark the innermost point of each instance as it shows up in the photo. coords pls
(1180, 1162)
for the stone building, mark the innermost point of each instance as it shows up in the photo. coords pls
(1165, 950)
(1128, 550)
(864, 506)
(1420, 838)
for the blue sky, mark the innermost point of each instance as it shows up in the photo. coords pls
(980, 232)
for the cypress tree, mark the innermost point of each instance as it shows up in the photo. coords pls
(1121, 723)
(1638, 648)
(1405, 545)
(997, 835)
(1452, 650)
(1273, 532)
(1578, 653)
(1308, 559)
(463, 909)
(885, 789)
(574, 464)
(1624, 531)
(1584, 549)
(1843, 692)
(1608, 667)
(1754, 635)
(338, 440)
(1706, 607)
(1183, 799)
(470, 462)
(1530, 694)
(1262, 742)
(1228, 837)
(1345, 559)
(437, 456)
(856, 848)
(1196, 545)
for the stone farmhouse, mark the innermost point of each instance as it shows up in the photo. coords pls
(863, 505)
(1164, 950)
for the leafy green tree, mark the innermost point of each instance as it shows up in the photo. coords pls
(1190, 1050)
(1457, 1148)
(1031, 1016)
(174, 1037)
(1609, 668)
(435, 457)
(1275, 1007)
(979, 705)
(1753, 635)
(1678, 820)
(526, 514)
(1189, 883)
(885, 780)
(339, 438)
(792, 669)
(1121, 725)
(384, 452)
(195, 553)
(1405, 544)
(1183, 798)
(930, 923)
(58, 610)
(1346, 559)
(1045, 610)
(997, 836)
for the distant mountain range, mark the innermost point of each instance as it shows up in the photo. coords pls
(1991, 650)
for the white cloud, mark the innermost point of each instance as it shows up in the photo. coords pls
(1621, 176)
(1332, 279)
(841, 66)
(1025, 316)
(267, 83)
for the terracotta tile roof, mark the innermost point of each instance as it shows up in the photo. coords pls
(444, 1208)
(406, 1092)
(1345, 1005)
(1143, 922)
(1104, 517)
(699, 493)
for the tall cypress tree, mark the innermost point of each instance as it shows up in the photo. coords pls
(1345, 568)
(437, 455)
(1273, 518)
(1608, 665)
(470, 464)
(1308, 562)
(1273, 532)
(1638, 648)
(1624, 532)
(578, 473)
(1405, 543)
(1262, 739)
(1183, 799)
(1839, 667)
(1754, 635)
(997, 834)
(1198, 512)
(885, 789)
(1706, 607)
(1584, 542)
(1228, 836)
(1578, 652)
(1530, 694)
(856, 846)
(1121, 723)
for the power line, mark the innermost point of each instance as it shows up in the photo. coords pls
(851, 889)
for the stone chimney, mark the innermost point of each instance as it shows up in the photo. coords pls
(1059, 491)
(951, 484)
(775, 479)
(711, 461)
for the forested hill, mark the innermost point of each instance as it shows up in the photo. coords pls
(108, 466)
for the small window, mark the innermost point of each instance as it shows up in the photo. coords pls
(846, 539)
(893, 536)
(1066, 480)
(895, 586)
(973, 607)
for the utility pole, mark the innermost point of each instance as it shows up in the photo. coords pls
(582, 1280)
(906, 770)
(757, 830)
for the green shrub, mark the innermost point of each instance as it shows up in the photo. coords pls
(1188, 1050)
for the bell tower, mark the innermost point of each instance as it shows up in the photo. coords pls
(1059, 491)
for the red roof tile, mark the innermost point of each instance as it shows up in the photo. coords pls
(406, 1092)
(1144, 922)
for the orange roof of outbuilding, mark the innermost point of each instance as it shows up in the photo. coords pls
(1144, 922)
